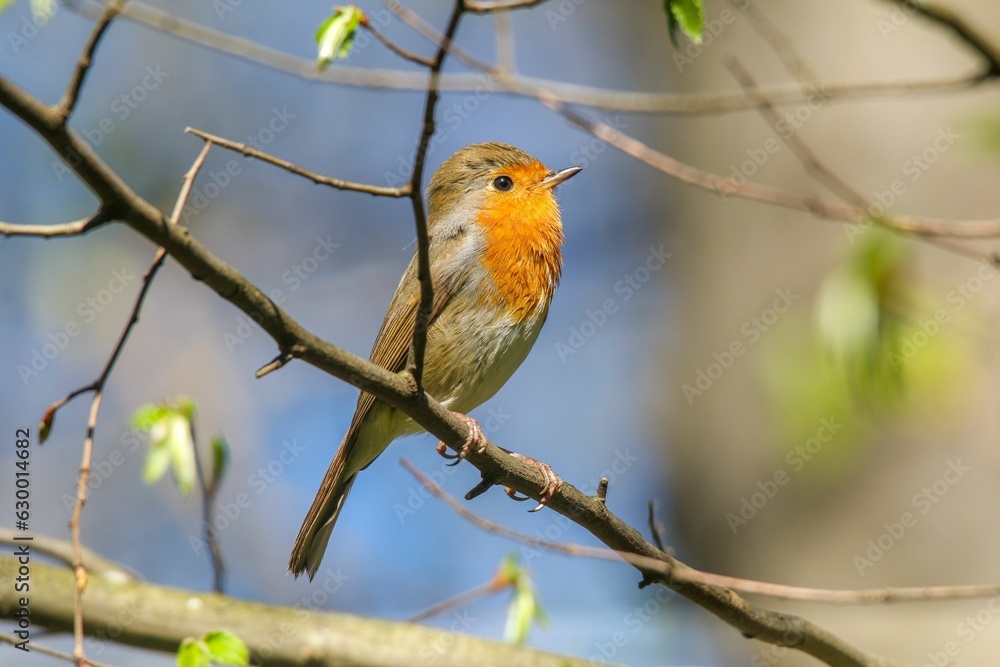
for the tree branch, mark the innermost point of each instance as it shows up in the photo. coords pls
(597, 98)
(313, 176)
(415, 362)
(965, 32)
(156, 617)
(68, 103)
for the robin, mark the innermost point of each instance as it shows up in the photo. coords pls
(495, 256)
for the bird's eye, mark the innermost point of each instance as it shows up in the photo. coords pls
(503, 183)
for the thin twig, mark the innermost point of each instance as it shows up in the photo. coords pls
(208, 494)
(319, 179)
(415, 362)
(779, 42)
(504, 30)
(964, 30)
(395, 48)
(654, 526)
(597, 98)
(712, 182)
(680, 572)
(74, 228)
(457, 601)
(487, 6)
(62, 551)
(51, 652)
(65, 107)
(79, 570)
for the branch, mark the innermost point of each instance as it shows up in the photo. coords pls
(68, 103)
(415, 362)
(319, 179)
(712, 182)
(62, 551)
(159, 618)
(51, 652)
(965, 32)
(75, 228)
(597, 98)
(487, 6)
(392, 46)
(673, 570)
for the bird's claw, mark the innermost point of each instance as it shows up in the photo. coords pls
(475, 440)
(552, 482)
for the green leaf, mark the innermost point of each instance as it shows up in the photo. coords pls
(225, 648)
(157, 462)
(525, 607)
(335, 35)
(220, 461)
(192, 653)
(182, 454)
(170, 441)
(687, 16)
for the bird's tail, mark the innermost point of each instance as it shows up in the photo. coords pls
(310, 545)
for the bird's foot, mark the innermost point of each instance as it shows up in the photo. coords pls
(552, 481)
(475, 440)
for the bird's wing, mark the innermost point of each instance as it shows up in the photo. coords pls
(393, 341)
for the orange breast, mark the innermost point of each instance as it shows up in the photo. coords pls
(523, 244)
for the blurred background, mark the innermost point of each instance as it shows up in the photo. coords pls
(785, 388)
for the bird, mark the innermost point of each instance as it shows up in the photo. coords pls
(496, 257)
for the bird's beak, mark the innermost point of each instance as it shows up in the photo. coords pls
(554, 178)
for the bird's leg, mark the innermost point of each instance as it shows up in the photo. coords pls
(475, 439)
(552, 481)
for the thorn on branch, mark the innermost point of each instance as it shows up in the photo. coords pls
(602, 491)
(273, 365)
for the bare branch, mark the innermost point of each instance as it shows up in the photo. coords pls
(415, 362)
(65, 107)
(658, 567)
(51, 652)
(74, 228)
(395, 48)
(319, 179)
(674, 571)
(487, 6)
(597, 98)
(134, 613)
(969, 35)
(62, 551)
